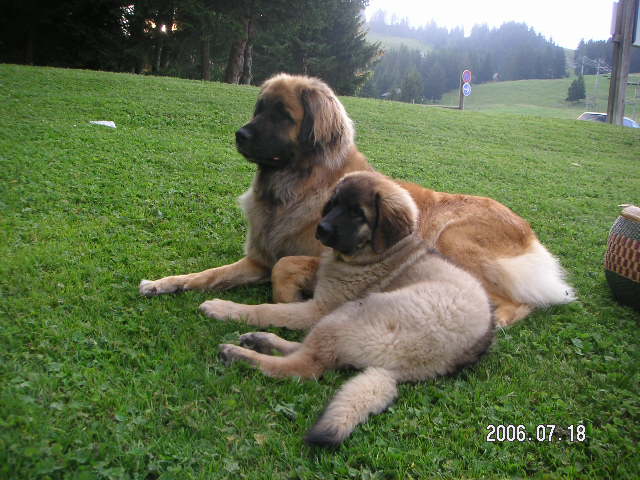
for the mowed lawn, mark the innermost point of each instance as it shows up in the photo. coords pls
(545, 98)
(98, 382)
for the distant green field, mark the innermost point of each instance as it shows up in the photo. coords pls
(542, 97)
(97, 382)
(570, 60)
(390, 42)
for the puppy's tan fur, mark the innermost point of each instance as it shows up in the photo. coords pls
(283, 208)
(394, 308)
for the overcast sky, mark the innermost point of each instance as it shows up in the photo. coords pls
(566, 21)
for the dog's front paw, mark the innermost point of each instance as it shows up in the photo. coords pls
(151, 288)
(230, 353)
(223, 309)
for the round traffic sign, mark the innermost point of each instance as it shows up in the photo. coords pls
(466, 76)
(466, 89)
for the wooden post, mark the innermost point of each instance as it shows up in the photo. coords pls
(621, 60)
(461, 101)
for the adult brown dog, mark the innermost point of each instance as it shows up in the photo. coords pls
(302, 141)
(384, 303)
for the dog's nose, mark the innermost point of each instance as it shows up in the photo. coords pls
(243, 136)
(324, 231)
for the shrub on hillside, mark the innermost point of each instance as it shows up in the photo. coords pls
(576, 90)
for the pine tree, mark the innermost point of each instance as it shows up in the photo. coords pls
(347, 54)
(576, 90)
(323, 39)
(435, 81)
(411, 87)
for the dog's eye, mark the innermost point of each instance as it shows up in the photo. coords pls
(282, 112)
(356, 212)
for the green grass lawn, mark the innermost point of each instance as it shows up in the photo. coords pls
(98, 382)
(544, 98)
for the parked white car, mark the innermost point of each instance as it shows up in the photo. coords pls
(602, 117)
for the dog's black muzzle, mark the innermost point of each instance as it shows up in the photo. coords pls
(326, 234)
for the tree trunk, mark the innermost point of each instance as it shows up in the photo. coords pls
(247, 73)
(235, 66)
(206, 59)
(29, 49)
(236, 62)
(164, 19)
(166, 57)
(159, 45)
(138, 43)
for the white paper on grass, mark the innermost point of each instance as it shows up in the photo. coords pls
(106, 123)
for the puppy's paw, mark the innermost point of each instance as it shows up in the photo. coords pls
(230, 353)
(222, 309)
(260, 342)
(151, 288)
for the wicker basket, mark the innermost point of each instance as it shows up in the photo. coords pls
(622, 260)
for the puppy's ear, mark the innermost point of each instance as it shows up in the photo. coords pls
(396, 218)
(323, 123)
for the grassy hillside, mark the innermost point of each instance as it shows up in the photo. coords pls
(390, 42)
(539, 97)
(98, 382)
(570, 59)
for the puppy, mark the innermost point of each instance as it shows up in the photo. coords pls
(384, 303)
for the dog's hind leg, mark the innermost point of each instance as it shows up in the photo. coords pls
(293, 279)
(507, 312)
(302, 363)
(309, 360)
(265, 342)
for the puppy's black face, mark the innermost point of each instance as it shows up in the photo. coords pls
(347, 218)
(268, 139)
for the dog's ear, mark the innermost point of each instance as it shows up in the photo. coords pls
(324, 121)
(396, 218)
(305, 136)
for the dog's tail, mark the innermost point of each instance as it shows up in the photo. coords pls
(370, 392)
(535, 278)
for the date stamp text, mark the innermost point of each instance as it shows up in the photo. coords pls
(542, 433)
